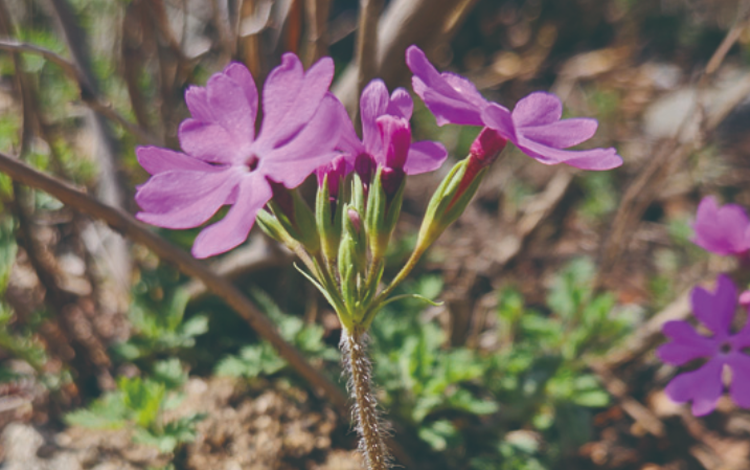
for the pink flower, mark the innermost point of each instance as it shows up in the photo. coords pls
(721, 230)
(386, 138)
(534, 126)
(704, 385)
(225, 163)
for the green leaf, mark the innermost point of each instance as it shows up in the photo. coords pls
(170, 373)
(440, 434)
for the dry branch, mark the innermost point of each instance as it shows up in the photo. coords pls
(405, 22)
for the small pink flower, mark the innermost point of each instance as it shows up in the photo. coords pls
(704, 386)
(534, 126)
(224, 162)
(386, 139)
(722, 230)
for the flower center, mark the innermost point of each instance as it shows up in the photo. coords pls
(252, 162)
(725, 348)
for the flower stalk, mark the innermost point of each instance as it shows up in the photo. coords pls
(369, 425)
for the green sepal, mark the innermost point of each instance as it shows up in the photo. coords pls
(382, 215)
(358, 194)
(328, 224)
(343, 315)
(303, 227)
(347, 271)
(446, 205)
(271, 227)
(359, 246)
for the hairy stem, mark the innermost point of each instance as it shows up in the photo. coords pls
(365, 412)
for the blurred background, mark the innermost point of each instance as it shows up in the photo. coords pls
(555, 282)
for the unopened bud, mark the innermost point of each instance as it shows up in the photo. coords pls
(355, 219)
(745, 299)
(486, 147)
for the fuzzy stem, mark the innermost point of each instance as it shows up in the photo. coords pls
(365, 412)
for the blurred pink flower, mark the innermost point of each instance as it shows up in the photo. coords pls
(704, 386)
(534, 126)
(722, 230)
(225, 163)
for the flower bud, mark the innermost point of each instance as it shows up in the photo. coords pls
(487, 146)
(745, 299)
(355, 220)
(328, 221)
(382, 214)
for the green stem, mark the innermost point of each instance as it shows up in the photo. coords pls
(365, 411)
(411, 263)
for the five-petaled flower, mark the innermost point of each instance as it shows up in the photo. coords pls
(534, 126)
(704, 386)
(386, 140)
(225, 163)
(722, 230)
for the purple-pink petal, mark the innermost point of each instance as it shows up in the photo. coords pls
(396, 137)
(741, 340)
(158, 160)
(401, 104)
(562, 134)
(739, 389)
(686, 344)
(721, 230)
(233, 229)
(716, 309)
(231, 108)
(424, 156)
(537, 109)
(311, 148)
(450, 98)
(209, 142)
(372, 104)
(702, 386)
(500, 119)
(196, 99)
(241, 75)
(290, 99)
(184, 199)
(593, 159)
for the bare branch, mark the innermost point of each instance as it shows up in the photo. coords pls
(405, 22)
(367, 41)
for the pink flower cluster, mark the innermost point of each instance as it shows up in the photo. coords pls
(704, 386)
(306, 130)
(724, 231)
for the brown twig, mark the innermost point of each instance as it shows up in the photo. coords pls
(405, 22)
(317, 16)
(367, 42)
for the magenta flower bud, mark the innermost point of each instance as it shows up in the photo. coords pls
(336, 171)
(365, 168)
(745, 299)
(487, 146)
(355, 219)
(385, 131)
